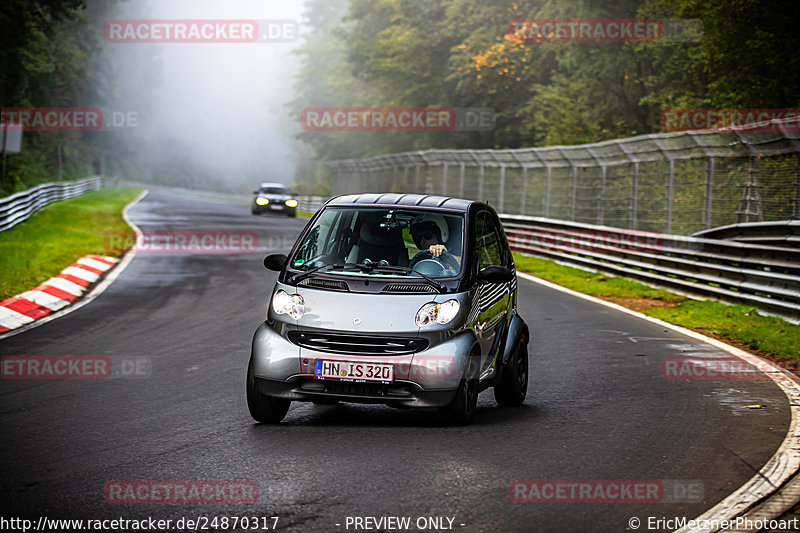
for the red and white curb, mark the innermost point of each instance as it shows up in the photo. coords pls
(54, 294)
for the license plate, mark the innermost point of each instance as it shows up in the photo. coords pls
(354, 370)
(276, 207)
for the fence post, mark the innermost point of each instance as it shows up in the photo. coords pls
(546, 198)
(444, 179)
(670, 196)
(573, 192)
(525, 189)
(502, 197)
(416, 179)
(709, 193)
(635, 195)
(461, 181)
(750, 204)
(600, 206)
(481, 171)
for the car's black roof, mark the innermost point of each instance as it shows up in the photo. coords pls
(403, 200)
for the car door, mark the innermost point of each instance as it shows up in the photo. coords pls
(493, 298)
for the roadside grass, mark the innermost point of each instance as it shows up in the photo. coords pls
(61, 233)
(739, 325)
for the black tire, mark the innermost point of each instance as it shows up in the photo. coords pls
(264, 409)
(291, 214)
(255, 211)
(513, 386)
(462, 409)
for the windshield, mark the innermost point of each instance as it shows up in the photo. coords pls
(423, 243)
(274, 190)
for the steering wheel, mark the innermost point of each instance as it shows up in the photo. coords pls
(432, 265)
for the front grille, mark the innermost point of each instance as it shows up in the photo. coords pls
(357, 344)
(408, 288)
(328, 284)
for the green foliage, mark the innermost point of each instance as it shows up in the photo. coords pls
(59, 234)
(459, 53)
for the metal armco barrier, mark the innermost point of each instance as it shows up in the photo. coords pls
(18, 207)
(764, 276)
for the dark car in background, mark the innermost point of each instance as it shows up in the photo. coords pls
(275, 198)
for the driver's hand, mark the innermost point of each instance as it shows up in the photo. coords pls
(437, 249)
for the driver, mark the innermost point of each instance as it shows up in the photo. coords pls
(429, 232)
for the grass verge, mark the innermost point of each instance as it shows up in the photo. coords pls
(739, 325)
(59, 234)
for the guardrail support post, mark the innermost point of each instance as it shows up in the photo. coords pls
(707, 201)
(444, 179)
(461, 181)
(416, 179)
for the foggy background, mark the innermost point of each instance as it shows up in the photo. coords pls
(219, 107)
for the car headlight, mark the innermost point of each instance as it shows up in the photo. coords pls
(262, 201)
(291, 203)
(434, 312)
(292, 305)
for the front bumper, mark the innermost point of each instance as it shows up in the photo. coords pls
(428, 378)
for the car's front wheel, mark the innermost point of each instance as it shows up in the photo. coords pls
(462, 409)
(264, 409)
(513, 386)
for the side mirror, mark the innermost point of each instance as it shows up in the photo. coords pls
(495, 274)
(275, 262)
(255, 192)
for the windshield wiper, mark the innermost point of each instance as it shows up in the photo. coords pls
(334, 266)
(406, 270)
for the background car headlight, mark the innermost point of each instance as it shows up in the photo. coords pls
(262, 201)
(291, 203)
(292, 305)
(435, 312)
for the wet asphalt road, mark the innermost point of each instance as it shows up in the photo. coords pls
(597, 408)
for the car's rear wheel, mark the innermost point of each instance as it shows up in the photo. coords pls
(264, 409)
(462, 409)
(513, 386)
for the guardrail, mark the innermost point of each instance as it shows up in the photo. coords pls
(766, 277)
(772, 233)
(18, 207)
(310, 204)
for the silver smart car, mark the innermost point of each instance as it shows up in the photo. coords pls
(402, 299)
